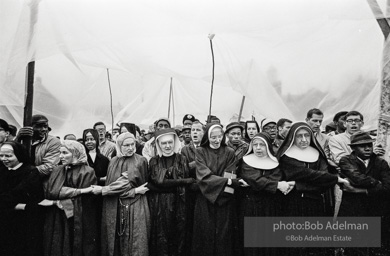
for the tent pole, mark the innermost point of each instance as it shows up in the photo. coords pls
(384, 101)
(173, 107)
(170, 95)
(112, 112)
(242, 106)
(29, 99)
(211, 36)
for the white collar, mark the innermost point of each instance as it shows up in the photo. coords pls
(308, 155)
(260, 163)
(16, 167)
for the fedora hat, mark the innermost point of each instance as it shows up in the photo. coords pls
(360, 137)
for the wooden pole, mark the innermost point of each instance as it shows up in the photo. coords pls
(173, 107)
(384, 111)
(112, 111)
(212, 80)
(170, 96)
(28, 104)
(241, 108)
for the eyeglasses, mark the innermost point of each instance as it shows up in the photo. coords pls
(269, 128)
(356, 121)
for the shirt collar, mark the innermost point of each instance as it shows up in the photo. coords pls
(39, 141)
(16, 167)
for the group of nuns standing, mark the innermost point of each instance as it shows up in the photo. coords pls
(142, 208)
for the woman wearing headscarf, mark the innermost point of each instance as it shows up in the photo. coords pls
(302, 160)
(169, 177)
(21, 219)
(259, 168)
(215, 211)
(251, 129)
(132, 128)
(95, 159)
(70, 225)
(126, 216)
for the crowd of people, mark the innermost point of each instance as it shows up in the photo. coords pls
(185, 191)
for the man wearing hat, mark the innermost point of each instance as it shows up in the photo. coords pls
(4, 131)
(269, 126)
(186, 134)
(188, 120)
(234, 134)
(45, 149)
(368, 195)
(150, 149)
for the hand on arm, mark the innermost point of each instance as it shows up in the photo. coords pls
(142, 189)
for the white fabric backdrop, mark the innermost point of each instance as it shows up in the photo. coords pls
(321, 53)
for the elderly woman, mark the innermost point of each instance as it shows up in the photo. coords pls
(259, 168)
(302, 160)
(70, 226)
(21, 219)
(169, 176)
(215, 211)
(126, 217)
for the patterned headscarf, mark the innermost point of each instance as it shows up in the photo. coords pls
(119, 141)
(77, 150)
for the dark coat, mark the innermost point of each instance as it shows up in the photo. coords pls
(21, 231)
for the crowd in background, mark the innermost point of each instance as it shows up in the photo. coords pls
(185, 190)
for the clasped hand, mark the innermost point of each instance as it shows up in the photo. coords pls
(286, 186)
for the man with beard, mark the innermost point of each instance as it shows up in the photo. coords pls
(234, 134)
(45, 149)
(269, 126)
(106, 147)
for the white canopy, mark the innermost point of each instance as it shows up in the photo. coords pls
(284, 56)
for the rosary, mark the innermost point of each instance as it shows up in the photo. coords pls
(124, 215)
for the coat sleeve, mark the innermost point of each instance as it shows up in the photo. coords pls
(210, 184)
(50, 158)
(297, 171)
(257, 181)
(350, 169)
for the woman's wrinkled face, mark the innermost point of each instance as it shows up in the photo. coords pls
(216, 137)
(128, 147)
(302, 138)
(167, 144)
(66, 156)
(251, 130)
(8, 157)
(259, 148)
(90, 142)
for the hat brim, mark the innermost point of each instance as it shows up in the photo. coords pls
(362, 142)
(234, 126)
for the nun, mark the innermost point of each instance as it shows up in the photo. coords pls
(126, 216)
(259, 168)
(70, 225)
(215, 208)
(303, 161)
(21, 219)
(168, 182)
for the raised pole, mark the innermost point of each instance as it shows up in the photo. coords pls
(241, 108)
(384, 101)
(170, 97)
(28, 104)
(211, 36)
